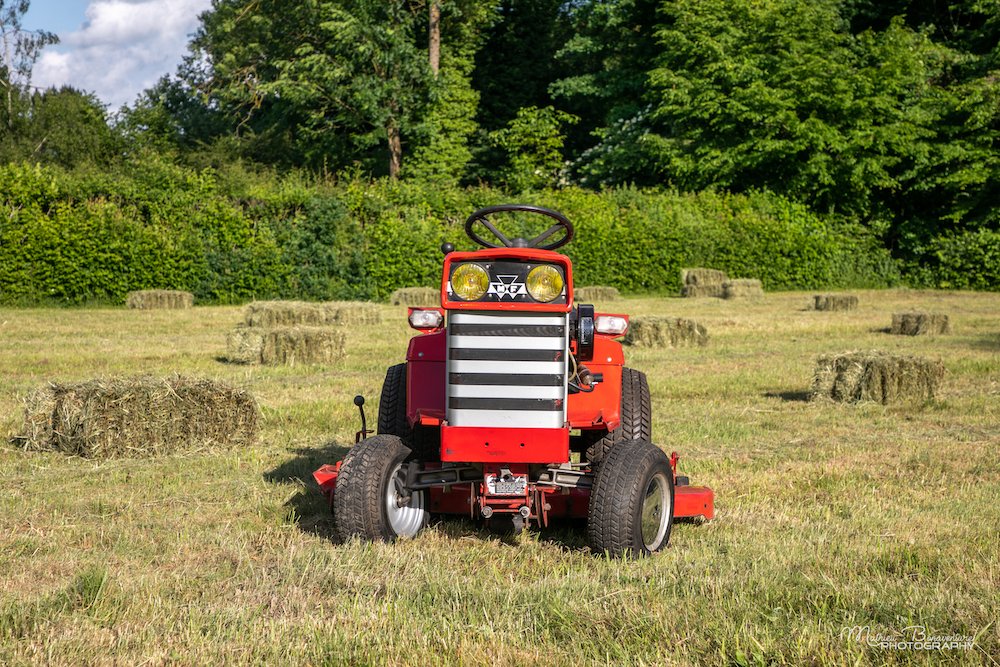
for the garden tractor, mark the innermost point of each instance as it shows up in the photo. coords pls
(515, 407)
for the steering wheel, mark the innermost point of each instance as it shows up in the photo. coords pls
(481, 216)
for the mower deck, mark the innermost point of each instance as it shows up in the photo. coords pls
(468, 491)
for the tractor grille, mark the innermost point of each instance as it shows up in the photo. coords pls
(507, 370)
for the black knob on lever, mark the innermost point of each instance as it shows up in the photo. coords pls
(359, 401)
(447, 247)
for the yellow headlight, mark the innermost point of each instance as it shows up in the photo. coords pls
(469, 282)
(544, 283)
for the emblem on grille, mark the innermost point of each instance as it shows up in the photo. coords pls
(507, 286)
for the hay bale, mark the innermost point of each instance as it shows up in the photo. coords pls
(694, 291)
(138, 417)
(742, 288)
(284, 313)
(415, 296)
(835, 302)
(665, 332)
(875, 376)
(287, 346)
(352, 313)
(149, 299)
(919, 324)
(596, 293)
(299, 313)
(703, 277)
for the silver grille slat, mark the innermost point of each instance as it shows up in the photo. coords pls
(485, 388)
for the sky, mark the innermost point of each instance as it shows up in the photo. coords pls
(112, 48)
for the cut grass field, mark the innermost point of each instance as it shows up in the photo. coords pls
(829, 515)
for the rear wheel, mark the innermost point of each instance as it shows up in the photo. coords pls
(636, 417)
(424, 443)
(632, 502)
(372, 501)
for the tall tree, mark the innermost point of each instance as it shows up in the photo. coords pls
(21, 49)
(604, 69)
(441, 139)
(779, 95)
(334, 78)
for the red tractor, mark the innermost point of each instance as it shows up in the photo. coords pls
(514, 405)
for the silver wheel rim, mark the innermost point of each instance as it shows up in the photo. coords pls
(404, 520)
(656, 512)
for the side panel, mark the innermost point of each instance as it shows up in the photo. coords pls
(425, 376)
(600, 408)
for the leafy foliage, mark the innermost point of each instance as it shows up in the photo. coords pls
(533, 143)
(883, 118)
(72, 237)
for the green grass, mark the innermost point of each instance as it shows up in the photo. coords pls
(828, 515)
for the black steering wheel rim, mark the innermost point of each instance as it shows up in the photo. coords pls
(481, 216)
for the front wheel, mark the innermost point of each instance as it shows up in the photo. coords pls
(371, 501)
(632, 502)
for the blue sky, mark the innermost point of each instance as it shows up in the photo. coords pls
(112, 48)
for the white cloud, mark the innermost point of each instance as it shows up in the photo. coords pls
(122, 49)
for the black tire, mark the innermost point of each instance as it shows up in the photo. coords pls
(424, 443)
(632, 502)
(636, 417)
(366, 483)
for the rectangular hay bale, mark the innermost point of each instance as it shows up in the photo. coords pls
(415, 296)
(919, 324)
(835, 302)
(742, 288)
(276, 346)
(698, 291)
(151, 299)
(876, 377)
(665, 332)
(284, 313)
(593, 293)
(703, 277)
(351, 312)
(307, 313)
(139, 417)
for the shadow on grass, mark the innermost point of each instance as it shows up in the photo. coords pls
(990, 342)
(308, 507)
(312, 515)
(223, 359)
(793, 396)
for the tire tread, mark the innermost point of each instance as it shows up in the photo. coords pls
(616, 495)
(636, 417)
(359, 495)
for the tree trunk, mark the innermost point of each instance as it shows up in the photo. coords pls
(434, 37)
(395, 152)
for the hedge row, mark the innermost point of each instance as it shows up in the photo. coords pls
(78, 236)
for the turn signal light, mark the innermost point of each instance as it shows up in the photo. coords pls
(425, 319)
(614, 325)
